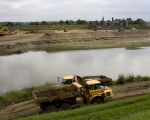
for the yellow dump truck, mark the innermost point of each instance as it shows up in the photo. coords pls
(62, 98)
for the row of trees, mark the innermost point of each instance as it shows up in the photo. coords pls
(103, 22)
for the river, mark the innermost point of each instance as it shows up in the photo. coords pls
(37, 68)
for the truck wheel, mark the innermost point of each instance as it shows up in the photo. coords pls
(50, 108)
(97, 101)
(65, 106)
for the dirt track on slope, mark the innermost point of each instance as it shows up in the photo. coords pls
(28, 108)
(53, 40)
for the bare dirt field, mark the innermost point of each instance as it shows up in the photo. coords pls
(54, 40)
(120, 92)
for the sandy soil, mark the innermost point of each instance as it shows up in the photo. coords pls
(74, 39)
(120, 92)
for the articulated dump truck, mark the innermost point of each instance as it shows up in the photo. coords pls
(89, 91)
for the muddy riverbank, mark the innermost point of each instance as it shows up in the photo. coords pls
(52, 40)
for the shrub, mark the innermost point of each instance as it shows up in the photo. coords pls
(130, 78)
(121, 79)
(139, 78)
(146, 78)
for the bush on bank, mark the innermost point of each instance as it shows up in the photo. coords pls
(122, 79)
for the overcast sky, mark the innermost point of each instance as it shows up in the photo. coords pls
(48, 10)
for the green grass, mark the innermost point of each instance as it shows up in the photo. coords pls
(133, 48)
(14, 97)
(137, 108)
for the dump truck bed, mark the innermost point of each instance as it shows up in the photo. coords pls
(103, 79)
(53, 94)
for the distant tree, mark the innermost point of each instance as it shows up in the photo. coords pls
(72, 22)
(112, 19)
(140, 21)
(103, 21)
(44, 23)
(67, 22)
(61, 22)
(19, 23)
(9, 24)
(108, 22)
(94, 23)
(34, 23)
(130, 21)
(53, 23)
(123, 22)
(81, 22)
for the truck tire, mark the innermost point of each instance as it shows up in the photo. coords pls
(97, 100)
(50, 108)
(65, 106)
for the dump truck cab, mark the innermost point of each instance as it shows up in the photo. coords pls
(66, 81)
(96, 93)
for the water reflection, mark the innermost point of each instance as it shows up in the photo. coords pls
(36, 68)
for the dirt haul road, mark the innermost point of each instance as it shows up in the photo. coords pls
(53, 40)
(120, 92)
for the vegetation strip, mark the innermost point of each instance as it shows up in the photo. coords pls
(14, 97)
(122, 79)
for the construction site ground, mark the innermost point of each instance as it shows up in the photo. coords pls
(28, 108)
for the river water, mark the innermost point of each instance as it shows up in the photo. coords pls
(36, 68)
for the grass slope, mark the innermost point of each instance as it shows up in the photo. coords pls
(137, 108)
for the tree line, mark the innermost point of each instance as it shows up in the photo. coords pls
(102, 23)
